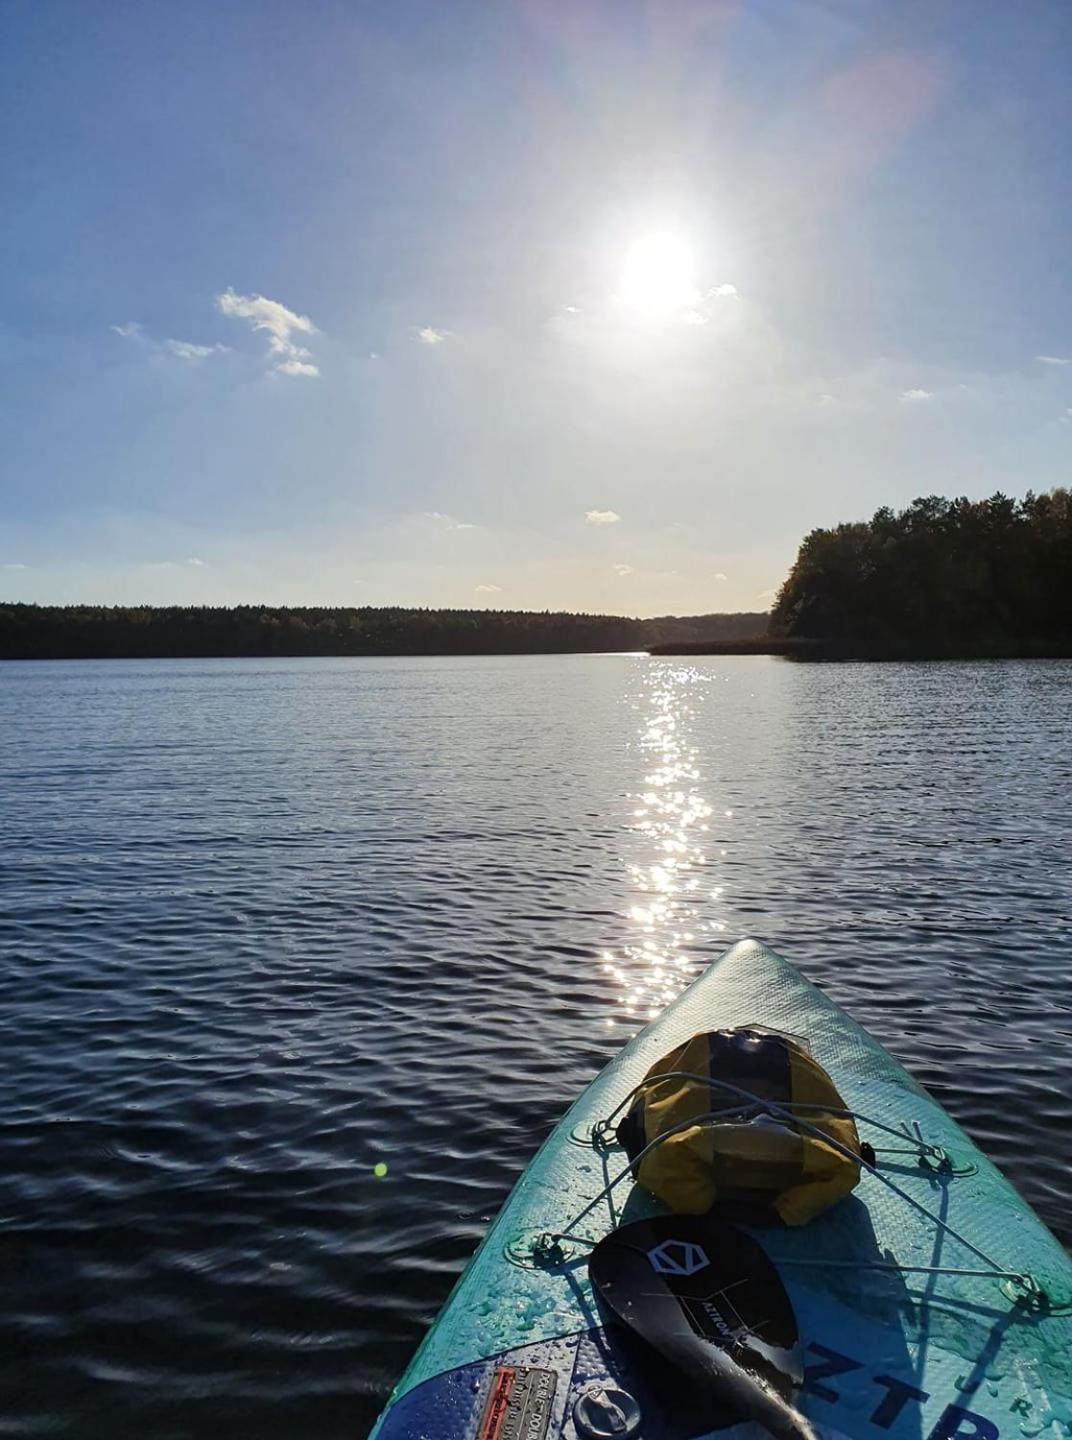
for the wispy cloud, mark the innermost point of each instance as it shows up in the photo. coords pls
(279, 323)
(721, 578)
(429, 335)
(14, 565)
(489, 589)
(195, 562)
(1054, 359)
(296, 367)
(601, 517)
(187, 350)
(915, 397)
(702, 311)
(448, 522)
(623, 570)
(181, 349)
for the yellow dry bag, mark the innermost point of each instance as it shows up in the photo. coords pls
(717, 1144)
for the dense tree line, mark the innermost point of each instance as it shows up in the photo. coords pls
(44, 632)
(703, 629)
(943, 578)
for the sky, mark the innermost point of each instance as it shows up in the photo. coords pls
(537, 304)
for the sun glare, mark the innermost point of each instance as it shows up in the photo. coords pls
(658, 274)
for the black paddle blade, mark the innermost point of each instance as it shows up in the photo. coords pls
(705, 1297)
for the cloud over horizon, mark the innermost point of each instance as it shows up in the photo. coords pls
(601, 517)
(448, 522)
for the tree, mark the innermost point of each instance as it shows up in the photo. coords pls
(961, 577)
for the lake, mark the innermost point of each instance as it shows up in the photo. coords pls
(267, 925)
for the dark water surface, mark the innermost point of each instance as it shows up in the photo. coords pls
(267, 924)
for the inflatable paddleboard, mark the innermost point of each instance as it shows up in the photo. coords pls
(931, 1304)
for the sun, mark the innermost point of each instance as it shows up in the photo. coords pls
(658, 274)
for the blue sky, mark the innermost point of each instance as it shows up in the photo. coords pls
(525, 303)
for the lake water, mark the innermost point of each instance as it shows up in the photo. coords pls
(265, 925)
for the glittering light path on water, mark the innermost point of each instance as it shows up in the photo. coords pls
(676, 913)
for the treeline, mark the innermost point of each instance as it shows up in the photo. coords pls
(54, 632)
(941, 579)
(704, 629)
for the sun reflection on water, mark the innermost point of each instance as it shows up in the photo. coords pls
(677, 909)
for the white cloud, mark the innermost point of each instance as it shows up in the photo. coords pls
(601, 517)
(198, 564)
(279, 323)
(14, 565)
(1053, 360)
(187, 350)
(489, 589)
(623, 570)
(265, 314)
(766, 596)
(296, 367)
(181, 349)
(448, 521)
(914, 397)
(722, 579)
(826, 400)
(428, 335)
(701, 312)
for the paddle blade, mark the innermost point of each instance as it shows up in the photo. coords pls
(705, 1297)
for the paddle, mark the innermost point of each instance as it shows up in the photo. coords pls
(706, 1298)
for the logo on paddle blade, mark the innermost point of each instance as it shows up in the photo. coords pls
(677, 1257)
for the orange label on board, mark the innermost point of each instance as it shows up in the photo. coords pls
(518, 1406)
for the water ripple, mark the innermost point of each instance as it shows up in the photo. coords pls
(268, 925)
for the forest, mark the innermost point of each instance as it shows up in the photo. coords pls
(53, 632)
(940, 579)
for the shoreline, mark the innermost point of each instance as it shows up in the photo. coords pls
(831, 651)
